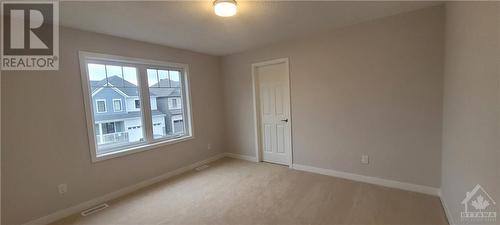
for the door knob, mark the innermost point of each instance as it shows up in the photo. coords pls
(285, 120)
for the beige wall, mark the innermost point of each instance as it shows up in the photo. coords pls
(471, 149)
(373, 88)
(44, 132)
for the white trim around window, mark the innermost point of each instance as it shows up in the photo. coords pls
(97, 106)
(145, 109)
(178, 103)
(121, 105)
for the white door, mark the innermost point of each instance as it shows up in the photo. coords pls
(274, 99)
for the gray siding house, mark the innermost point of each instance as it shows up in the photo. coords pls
(117, 111)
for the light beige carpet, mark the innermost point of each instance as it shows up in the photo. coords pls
(238, 192)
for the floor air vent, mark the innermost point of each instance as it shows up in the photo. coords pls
(94, 209)
(201, 167)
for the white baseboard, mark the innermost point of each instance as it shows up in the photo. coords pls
(85, 205)
(372, 180)
(446, 209)
(242, 157)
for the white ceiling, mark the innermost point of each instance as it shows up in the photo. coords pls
(194, 26)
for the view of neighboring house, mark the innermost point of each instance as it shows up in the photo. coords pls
(117, 111)
(169, 102)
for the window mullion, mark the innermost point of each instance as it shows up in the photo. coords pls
(186, 104)
(146, 104)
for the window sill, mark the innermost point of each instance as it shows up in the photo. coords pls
(140, 148)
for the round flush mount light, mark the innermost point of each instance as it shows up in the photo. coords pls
(225, 8)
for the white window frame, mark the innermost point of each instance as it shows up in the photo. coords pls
(176, 106)
(178, 101)
(147, 125)
(97, 106)
(121, 105)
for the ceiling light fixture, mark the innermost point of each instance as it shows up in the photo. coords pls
(225, 8)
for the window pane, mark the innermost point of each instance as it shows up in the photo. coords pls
(152, 77)
(163, 78)
(101, 106)
(166, 107)
(120, 126)
(174, 103)
(130, 76)
(175, 78)
(117, 105)
(97, 72)
(113, 71)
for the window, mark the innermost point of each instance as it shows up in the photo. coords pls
(177, 124)
(166, 91)
(117, 105)
(152, 116)
(174, 103)
(101, 105)
(137, 104)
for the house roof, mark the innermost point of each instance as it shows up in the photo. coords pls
(117, 82)
(160, 89)
(165, 88)
(129, 115)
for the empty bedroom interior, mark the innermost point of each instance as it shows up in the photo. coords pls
(287, 112)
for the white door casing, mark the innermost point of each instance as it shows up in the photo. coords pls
(272, 93)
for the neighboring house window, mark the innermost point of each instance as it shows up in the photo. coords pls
(101, 105)
(113, 78)
(177, 124)
(167, 86)
(109, 128)
(174, 103)
(117, 105)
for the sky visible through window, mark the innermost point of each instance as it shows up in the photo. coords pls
(97, 72)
